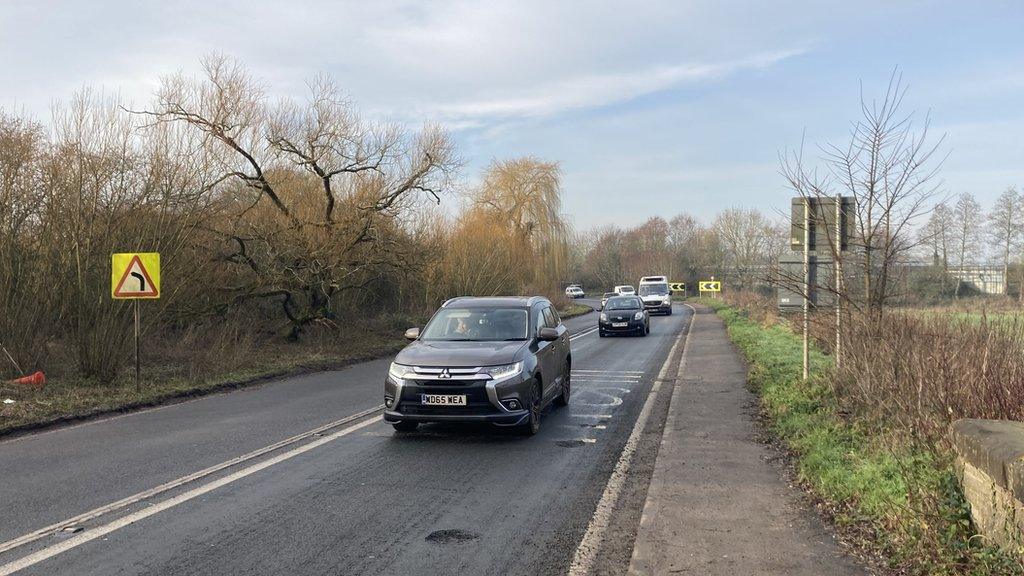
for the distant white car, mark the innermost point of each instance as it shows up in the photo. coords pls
(625, 290)
(574, 292)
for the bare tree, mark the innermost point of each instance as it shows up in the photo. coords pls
(750, 243)
(967, 233)
(1006, 227)
(937, 235)
(890, 169)
(317, 194)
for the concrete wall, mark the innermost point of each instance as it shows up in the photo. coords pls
(990, 465)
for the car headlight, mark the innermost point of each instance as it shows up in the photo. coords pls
(638, 316)
(400, 371)
(604, 317)
(504, 371)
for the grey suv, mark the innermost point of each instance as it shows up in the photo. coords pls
(497, 360)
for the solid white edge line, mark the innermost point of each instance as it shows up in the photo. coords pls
(146, 494)
(586, 551)
(92, 534)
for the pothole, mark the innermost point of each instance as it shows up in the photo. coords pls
(451, 536)
(569, 443)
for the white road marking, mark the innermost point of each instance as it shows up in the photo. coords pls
(601, 416)
(584, 333)
(636, 372)
(113, 506)
(586, 552)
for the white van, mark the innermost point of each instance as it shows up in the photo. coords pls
(625, 290)
(656, 295)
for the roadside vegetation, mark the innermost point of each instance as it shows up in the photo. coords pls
(869, 441)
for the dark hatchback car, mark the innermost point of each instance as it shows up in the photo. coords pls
(495, 360)
(624, 315)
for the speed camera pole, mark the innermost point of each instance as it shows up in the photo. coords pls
(807, 286)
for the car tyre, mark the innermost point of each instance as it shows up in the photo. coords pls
(532, 425)
(601, 333)
(406, 426)
(563, 397)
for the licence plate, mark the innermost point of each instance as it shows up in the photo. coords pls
(443, 399)
(620, 324)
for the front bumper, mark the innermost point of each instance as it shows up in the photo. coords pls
(402, 400)
(658, 306)
(631, 326)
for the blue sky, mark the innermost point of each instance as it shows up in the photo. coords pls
(652, 108)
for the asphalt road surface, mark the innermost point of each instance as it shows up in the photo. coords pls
(341, 493)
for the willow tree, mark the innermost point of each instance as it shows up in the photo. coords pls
(525, 194)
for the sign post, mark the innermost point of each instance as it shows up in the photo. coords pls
(837, 251)
(807, 288)
(135, 276)
(821, 228)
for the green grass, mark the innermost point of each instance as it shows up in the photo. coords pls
(573, 310)
(898, 500)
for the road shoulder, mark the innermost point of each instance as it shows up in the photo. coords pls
(716, 505)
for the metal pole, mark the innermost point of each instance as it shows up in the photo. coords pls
(807, 286)
(138, 379)
(838, 271)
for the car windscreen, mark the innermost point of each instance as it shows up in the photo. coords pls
(626, 290)
(654, 289)
(477, 324)
(623, 303)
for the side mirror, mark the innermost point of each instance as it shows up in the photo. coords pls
(547, 334)
(412, 333)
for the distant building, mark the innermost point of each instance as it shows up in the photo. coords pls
(987, 279)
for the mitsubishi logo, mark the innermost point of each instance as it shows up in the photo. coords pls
(444, 375)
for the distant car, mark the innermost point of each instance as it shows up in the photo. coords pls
(625, 290)
(606, 296)
(624, 315)
(574, 292)
(496, 360)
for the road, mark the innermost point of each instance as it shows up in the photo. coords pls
(352, 498)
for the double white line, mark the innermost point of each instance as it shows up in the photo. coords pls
(93, 533)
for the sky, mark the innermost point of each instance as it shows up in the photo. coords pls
(651, 108)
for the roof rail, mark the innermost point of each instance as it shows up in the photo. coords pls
(450, 300)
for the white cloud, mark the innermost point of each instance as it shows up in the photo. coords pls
(597, 90)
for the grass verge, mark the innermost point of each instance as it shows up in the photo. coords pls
(69, 398)
(894, 500)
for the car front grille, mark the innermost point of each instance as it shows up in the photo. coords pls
(477, 401)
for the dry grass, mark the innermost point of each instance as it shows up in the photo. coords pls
(199, 360)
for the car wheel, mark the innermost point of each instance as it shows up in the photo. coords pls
(563, 398)
(601, 333)
(406, 426)
(647, 329)
(532, 425)
(669, 313)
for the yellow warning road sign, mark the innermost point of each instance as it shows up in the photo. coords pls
(677, 286)
(710, 286)
(135, 276)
